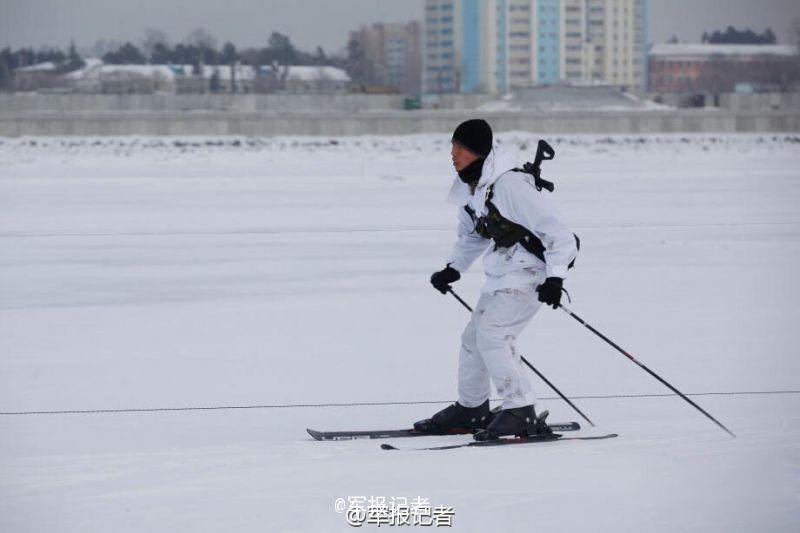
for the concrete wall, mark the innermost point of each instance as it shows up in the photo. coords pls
(760, 101)
(113, 103)
(456, 101)
(734, 101)
(105, 103)
(393, 122)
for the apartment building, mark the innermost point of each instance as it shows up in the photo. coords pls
(546, 28)
(605, 41)
(622, 42)
(395, 54)
(572, 40)
(443, 46)
(497, 45)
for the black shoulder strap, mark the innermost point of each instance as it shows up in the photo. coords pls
(470, 212)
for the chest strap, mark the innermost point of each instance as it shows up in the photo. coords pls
(505, 233)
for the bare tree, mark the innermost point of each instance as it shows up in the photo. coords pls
(796, 32)
(281, 73)
(201, 38)
(103, 46)
(152, 38)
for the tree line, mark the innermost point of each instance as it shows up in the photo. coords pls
(733, 36)
(23, 57)
(198, 48)
(203, 50)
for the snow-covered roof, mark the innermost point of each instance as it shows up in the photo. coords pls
(246, 72)
(141, 70)
(702, 49)
(243, 72)
(313, 73)
(90, 64)
(317, 73)
(43, 67)
(95, 67)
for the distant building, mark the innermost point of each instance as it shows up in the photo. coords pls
(615, 48)
(32, 77)
(465, 46)
(495, 46)
(97, 77)
(395, 54)
(121, 79)
(316, 79)
(546, 42)
(443, 46)
(720, 68)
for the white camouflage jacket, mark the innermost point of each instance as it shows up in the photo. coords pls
(516, 197)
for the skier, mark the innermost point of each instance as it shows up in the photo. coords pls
(528, 249)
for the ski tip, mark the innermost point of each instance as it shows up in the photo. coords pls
(314, 433)
(385, 446)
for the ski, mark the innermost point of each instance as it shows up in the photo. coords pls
(397, 433)
(503, 442)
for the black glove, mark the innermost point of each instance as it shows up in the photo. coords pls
(550, 291)
(441, 280)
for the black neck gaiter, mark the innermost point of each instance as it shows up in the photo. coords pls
(471, 173)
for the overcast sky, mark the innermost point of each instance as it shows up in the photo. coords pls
(318, 22)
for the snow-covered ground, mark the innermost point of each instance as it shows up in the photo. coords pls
(150, 273)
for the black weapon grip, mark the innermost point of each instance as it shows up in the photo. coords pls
(544, 152)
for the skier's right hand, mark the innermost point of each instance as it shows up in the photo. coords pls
(441, 280)
(550, 291)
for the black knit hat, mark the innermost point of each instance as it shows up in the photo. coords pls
(475, 135)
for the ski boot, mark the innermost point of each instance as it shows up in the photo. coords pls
(456, 419)
(520, 422)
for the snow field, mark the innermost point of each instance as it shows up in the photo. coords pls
(155, 272)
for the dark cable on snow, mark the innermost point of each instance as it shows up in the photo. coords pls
(368, 404)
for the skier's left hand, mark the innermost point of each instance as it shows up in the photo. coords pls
(550, 291)
(441, 280)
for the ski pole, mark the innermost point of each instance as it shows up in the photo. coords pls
(466, 305)
(629, 356)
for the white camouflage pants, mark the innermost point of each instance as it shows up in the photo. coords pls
(488, 350)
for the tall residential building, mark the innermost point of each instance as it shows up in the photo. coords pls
(443, 47)
(498, 45)
(546, 28)
(519, 44)
(460, 46)
(573, 34)
(395, 54)
(619, 41)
